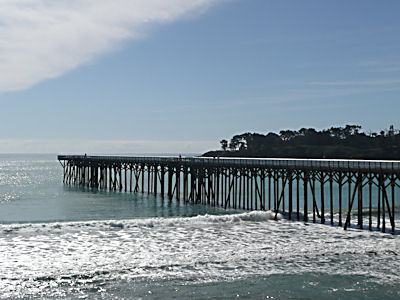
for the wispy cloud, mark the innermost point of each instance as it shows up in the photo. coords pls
(383, 65)
(357, 82)
(41, 39)
(308, 94)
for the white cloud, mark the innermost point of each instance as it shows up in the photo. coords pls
(41, 39)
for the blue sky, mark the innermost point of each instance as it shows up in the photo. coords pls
(177, 76)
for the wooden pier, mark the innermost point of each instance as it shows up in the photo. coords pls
(333, 191)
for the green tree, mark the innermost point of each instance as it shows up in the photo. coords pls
(224, 144)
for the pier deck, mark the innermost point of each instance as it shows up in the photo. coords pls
(327, 188)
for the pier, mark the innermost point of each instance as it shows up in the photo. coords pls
(336, 192)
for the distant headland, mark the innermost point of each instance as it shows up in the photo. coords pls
(348, 142)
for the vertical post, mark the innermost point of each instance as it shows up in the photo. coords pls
(322, 182)
(100, 177)
(247, 190)
(235, 189)
(217, 191)
(313, 194)
(298, 196)
(103, 180)
(80, 175)
(370, 203)
(228, 191)
(244, 190)
(126, 181)
(379, 201)
(92, 176)
(185, 185)
(290, 194)
(97, 176)
(225, 187)
(251, 189)
(110, 178)
(74, 174)
(63, 171)
(162, 172)
(83, 176)
(81, 180)
(203, 188)
(360, 201)
(305, 217)
(170, 174)
(349, 198)
(393, 183)
(89, 175)
(96, 181)
(155, 179)
(263, 190)
(277, 192)
(331, 196)
(269, 190)
(283, 190)
(105, 177)
(178, 183)
(192, 185)
(89, 183)
(196, 181)
(101, 172)
(130, 178)
(69, 173)
(143, 173)
(148, 179)
(240, 188)
(214, 186)
(383, 205)
(340, 197)
(209, 180)
(198, 186)
(120, 177)
(115, 177)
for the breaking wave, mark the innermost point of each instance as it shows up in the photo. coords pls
(254, 216)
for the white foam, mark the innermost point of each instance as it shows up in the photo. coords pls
(200, 248)
(254, 216)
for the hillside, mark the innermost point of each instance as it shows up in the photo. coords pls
(347, 142)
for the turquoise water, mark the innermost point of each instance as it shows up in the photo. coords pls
(67, 242)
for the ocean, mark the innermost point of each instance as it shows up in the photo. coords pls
(59, 241)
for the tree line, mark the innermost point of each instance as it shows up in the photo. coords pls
(348, 142)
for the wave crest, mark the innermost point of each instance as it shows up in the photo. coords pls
(254, 216)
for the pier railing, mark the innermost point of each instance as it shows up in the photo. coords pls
(290, 186)
(316, 164)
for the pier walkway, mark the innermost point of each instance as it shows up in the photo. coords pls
(331, 190)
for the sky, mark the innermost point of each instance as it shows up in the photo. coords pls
(177, 76)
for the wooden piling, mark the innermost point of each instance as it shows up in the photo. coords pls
(305, 200)
(290, 195)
